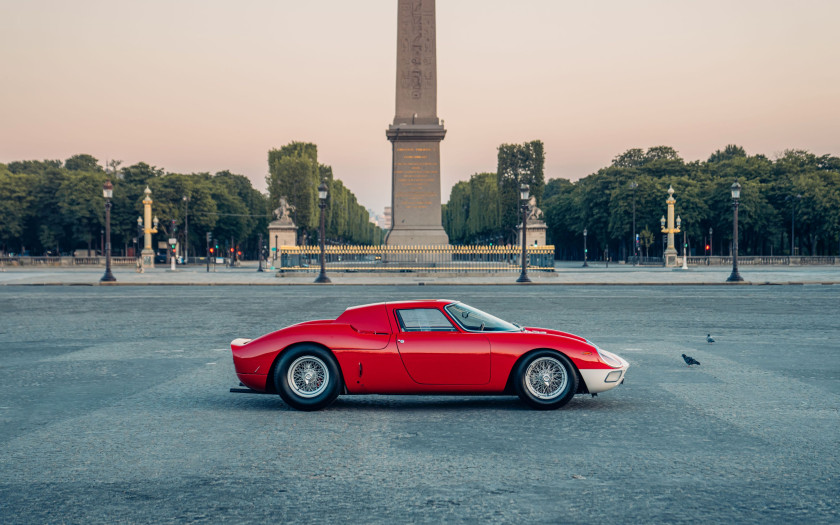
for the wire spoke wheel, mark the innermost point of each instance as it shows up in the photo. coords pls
(308, 376)
(546, 378)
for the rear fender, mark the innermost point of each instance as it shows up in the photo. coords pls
(269, 383)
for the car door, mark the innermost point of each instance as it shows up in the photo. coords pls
(434, 352)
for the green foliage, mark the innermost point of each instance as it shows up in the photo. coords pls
(518, 163)
(58, 207)
(81, 205)
(603, 201)
(15, 203)
(472, 213)
(295, 174)
(82, 162)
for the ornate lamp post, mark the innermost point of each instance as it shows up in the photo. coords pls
(585, 252)
(736, 194)
(633, 186)
(137, 241)
(148, 253)
(322, 196)
(523, 197)
(670, 250)
(108, 192)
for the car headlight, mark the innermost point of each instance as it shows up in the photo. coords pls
(607, 357)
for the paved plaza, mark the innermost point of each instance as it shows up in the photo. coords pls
(114, 408)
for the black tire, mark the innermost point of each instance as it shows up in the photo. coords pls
(553, 378)
(307, 377)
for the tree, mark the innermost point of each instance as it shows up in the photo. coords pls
(517, 164)
(83, 162)
(646, 238)
(15, 207)
(294, 173)
(730, 152)
(82, 205)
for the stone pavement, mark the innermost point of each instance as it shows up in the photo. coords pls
(115, 408)
(566, 274)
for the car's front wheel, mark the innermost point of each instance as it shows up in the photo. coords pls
(307, 377)
(546, 380)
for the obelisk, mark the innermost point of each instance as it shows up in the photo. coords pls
(416, 132)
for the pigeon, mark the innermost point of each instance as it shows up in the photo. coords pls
(709, 339)
(690, 360)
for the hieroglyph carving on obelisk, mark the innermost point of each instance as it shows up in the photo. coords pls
(416, 132)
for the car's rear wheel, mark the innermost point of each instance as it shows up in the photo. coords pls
(546, 380)
(307, 377)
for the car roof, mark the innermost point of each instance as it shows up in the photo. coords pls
(420, 303)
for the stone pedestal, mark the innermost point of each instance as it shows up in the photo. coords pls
(280, 234)
(415, 200)
(148, 258)
(534, 235)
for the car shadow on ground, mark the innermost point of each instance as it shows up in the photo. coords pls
(357, 403)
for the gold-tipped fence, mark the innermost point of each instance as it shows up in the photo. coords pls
(434, 258)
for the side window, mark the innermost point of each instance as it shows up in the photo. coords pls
(424, 320)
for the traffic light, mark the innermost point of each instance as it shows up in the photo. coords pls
(707, 247)
(212, 250)
(209, 236)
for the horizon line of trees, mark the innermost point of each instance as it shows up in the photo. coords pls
(798, 187)
(52, 207)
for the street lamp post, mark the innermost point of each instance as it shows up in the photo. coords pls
(633, 186)
(792, 231)
(108, 192)
(186, 229)
(523, 196)
(585, 253)
(260, 248)
(736, 194)
(322, 196)
(711, 244)
(207, 238)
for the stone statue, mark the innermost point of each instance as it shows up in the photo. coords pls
(534, 213)
(283, 214)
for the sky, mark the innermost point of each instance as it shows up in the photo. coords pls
(209, 85)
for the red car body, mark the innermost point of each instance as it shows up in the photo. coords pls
(376, 354)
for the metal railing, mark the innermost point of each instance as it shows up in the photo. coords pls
(443, 258)
(645, 261)
(65, 261)
(763, 260)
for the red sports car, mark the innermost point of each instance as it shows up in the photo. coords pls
(423, 347)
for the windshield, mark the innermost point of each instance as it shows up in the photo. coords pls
(475, 320)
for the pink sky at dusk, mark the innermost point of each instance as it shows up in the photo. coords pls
(209, 85)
